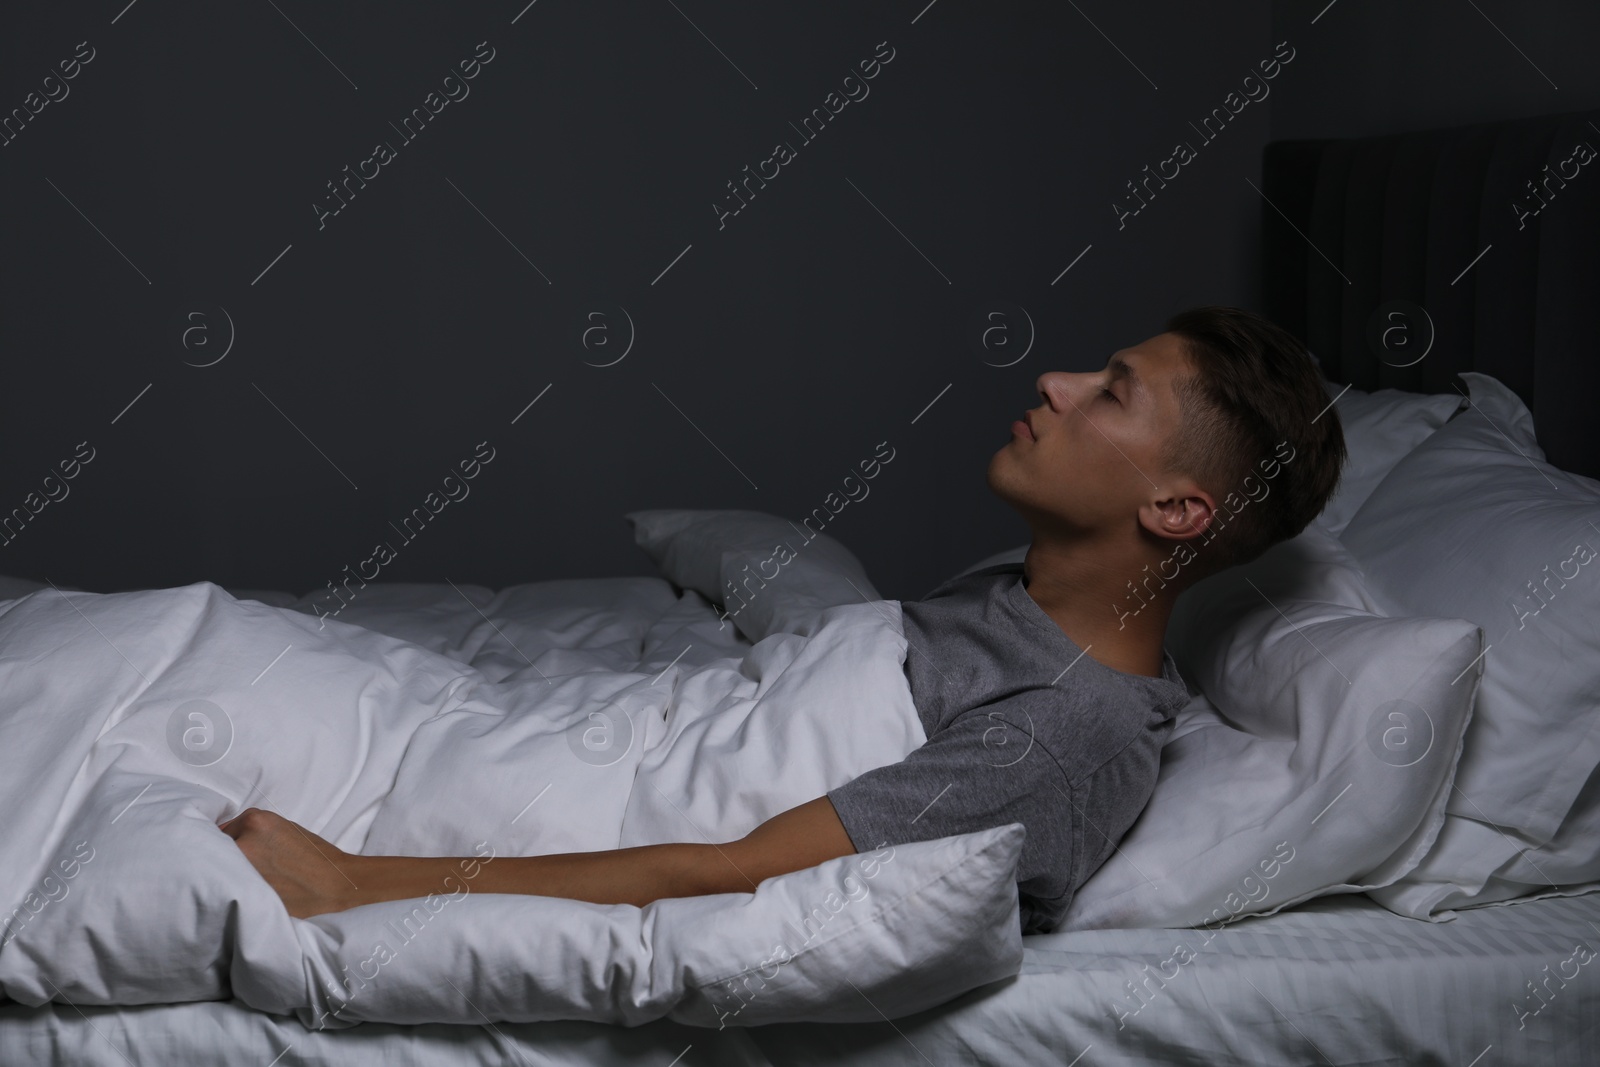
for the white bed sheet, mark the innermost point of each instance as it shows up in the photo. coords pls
(1337, 980)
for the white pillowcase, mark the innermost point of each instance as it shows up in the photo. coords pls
(1380, 429)
(12, 588)
(1474, 524)
(1318, 760)
(706, 550)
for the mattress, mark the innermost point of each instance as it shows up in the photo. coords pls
(1337, 980)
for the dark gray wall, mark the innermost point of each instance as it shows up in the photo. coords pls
(1383, 67)
(381, 348)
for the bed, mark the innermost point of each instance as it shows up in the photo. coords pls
(1338, 980)
(1335, 977)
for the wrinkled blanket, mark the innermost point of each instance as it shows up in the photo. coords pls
(131, 723)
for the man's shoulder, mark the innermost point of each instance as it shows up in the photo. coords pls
(974, 578)
(1081, 727)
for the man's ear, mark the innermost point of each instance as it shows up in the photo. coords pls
(1183, 515)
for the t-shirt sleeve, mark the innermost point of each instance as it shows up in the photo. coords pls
(983, 770)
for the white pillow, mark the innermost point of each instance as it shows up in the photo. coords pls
(12, 588)
(1318, 760)
(709, 550)
(856, 939)
(1474, 524)
(1380, 429)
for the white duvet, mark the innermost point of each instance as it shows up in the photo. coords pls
(559, 716)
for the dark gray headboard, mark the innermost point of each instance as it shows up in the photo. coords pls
(1355, 226)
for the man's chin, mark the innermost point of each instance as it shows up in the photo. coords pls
(997, 473)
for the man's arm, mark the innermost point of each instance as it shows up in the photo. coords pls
(313, 878)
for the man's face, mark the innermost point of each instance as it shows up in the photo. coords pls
(1090, 455)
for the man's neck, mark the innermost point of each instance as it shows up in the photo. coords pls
(1085, 590)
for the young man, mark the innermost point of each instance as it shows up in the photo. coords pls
(1043, 687)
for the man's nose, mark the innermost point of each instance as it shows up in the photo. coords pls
(1046, 386)
(1059, 388)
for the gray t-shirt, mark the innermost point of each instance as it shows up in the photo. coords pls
(1022, 727)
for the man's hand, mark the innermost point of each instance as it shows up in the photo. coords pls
(309, 874)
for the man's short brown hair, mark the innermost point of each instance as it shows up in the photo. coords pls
(1255, 394)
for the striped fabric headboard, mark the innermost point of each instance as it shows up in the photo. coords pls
(1481, 240)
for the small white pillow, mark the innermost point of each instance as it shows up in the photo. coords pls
(731, 557)
(1318, 760)
(860, 938)
(1380, 429)
(1474, 524)
(12, 588)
